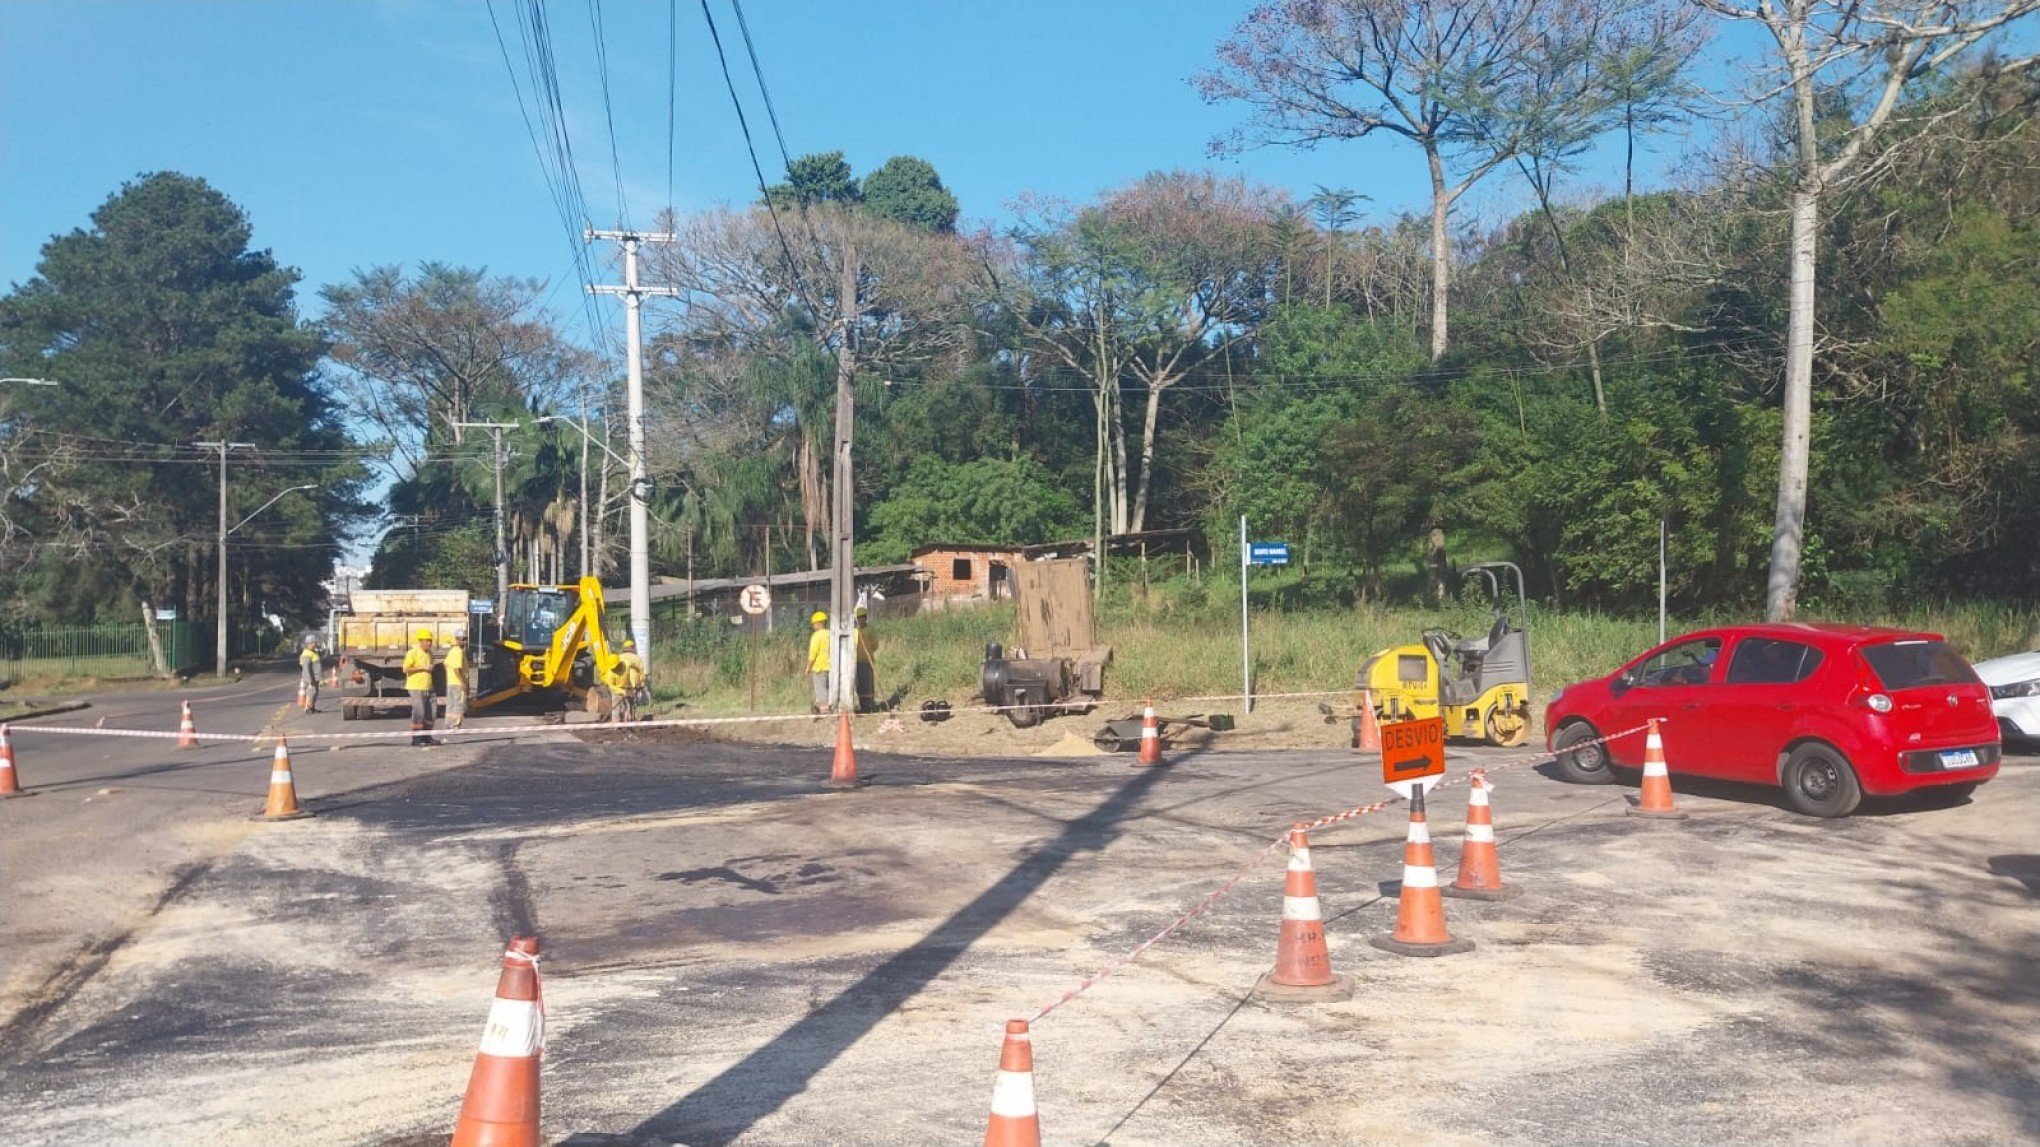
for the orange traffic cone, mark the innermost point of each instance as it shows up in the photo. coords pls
(282, 791)
(333, 674)
(1303, 965)
(500, 1108)
(1367, 731)
(1420, 913)
(187, 730)
(1655, 798)
(843, 773)
(9, 785)
(301, 702)
(1014, 1122)
(1150, 737)
(1480, 866)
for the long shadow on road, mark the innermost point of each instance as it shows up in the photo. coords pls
(725, 1107)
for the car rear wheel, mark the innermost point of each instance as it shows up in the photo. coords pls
(1819, 782)
(1582, 756)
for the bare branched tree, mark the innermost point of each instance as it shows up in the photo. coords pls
(1469, 82)
(421, 355)
(1841, 68)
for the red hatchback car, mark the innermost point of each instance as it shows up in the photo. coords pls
(1828, 712)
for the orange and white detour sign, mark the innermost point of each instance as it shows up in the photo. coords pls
(1412, 754)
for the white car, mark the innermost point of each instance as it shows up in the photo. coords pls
(2014, 681)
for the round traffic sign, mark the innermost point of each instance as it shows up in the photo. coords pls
(755, 599)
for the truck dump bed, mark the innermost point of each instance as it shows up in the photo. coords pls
(385, 622)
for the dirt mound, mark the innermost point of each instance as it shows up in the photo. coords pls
(1072, 744)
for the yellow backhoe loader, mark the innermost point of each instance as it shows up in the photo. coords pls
(549, 640)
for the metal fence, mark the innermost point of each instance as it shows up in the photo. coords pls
(109, 651)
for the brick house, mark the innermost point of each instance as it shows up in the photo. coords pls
(956, 573)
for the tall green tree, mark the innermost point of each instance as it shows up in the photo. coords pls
(164, 327)
(906, 189)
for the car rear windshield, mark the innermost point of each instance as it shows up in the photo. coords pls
(1911, 664)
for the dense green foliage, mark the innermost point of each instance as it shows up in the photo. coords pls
(1185, 349)
(163, 328)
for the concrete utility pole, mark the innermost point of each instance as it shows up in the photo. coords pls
(640, 485)
(220, 666)
(843, 568)
(502, 541)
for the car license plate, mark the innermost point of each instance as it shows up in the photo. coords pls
(1959, 759)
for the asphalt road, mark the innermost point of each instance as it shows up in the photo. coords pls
(735, 955)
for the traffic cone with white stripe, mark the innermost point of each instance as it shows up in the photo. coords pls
(187, 729)
(302, 703)
(843, 771)
(1150, 737)
(500, 1108)
(1654, 799)
(1303, 965)
(1420, 912)
(282, 790)
(9, 785)
(1014, 1122)
(1480, 866)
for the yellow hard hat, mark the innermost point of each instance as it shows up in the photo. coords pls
(819, 617)
(424, 635)
(629, 644)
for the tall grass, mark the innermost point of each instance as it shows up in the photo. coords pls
(1181, 638)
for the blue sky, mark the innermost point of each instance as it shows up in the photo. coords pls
(361, 132)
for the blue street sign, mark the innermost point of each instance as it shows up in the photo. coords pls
(482, 605)
(1268, 553)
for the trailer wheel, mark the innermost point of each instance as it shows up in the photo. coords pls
(1022, 714)
(350, 711)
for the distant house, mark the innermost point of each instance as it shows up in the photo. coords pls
(953, 573)
(958, 573)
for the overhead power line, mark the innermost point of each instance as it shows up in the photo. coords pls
(750, 146)
(608, 108)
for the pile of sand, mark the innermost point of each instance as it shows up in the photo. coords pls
(1072, 744)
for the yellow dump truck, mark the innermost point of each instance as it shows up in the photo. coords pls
(379, 627)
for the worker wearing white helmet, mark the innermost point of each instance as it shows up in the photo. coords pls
(308, 673)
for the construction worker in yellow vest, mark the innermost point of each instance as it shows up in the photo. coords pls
(818, 664)
(628, 679)
(456, 682)
(418, 683)
(867, 664)
(308, 674)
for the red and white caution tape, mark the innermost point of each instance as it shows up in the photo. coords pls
(1261, 857)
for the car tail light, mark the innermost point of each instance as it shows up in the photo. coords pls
(1869, 692)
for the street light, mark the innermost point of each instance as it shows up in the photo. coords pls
(272, 502)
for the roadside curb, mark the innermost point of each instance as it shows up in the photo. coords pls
(38, 714)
